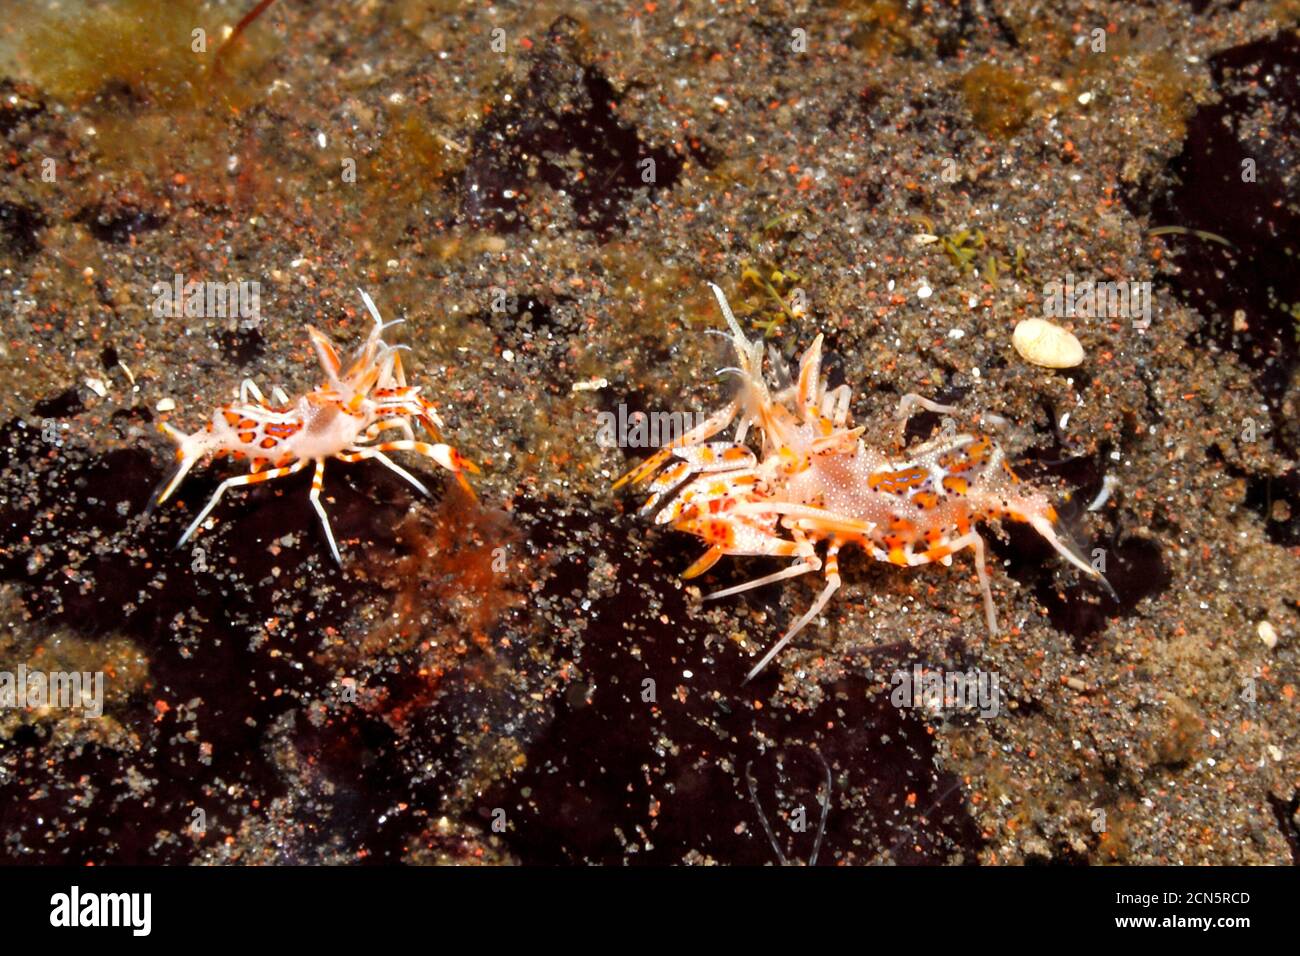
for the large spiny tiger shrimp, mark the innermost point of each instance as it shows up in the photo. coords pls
(345, 418)
(814, 480)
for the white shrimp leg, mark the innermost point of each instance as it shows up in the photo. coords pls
(187, 460)
(835, 405)
(258, 413)
(1065, 549)
(912, 398)
(181, 472)
(363, 453)
(793, 571)
(317, 483)
(832, 585)
(249, 387)
(905, 410)
(235, 482)
(972, 540)
(444, 455)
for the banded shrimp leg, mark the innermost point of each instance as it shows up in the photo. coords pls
(706, 429)
(362, 453)
(444, 455)
(235, 482)
(832, 571)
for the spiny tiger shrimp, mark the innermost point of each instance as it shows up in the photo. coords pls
(814, 480)
(344, 418)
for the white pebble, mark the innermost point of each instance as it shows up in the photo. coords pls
(1267, 634)
(924, 292)
(1042, 343)
(165, 405)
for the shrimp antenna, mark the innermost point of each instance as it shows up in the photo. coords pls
(727, 314)
(370, 304)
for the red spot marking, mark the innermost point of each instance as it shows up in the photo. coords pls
(719, 532)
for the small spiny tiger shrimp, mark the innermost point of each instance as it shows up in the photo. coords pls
(814, 480)
(345, 418)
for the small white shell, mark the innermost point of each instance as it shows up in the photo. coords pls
(1042, 343)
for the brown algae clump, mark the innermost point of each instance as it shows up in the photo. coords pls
(997, 100)
(153, 53)
(144, 72)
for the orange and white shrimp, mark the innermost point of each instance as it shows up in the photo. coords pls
(813, 480)
(345, 418)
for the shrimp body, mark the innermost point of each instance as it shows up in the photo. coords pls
(346, 418)
(813, 480)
